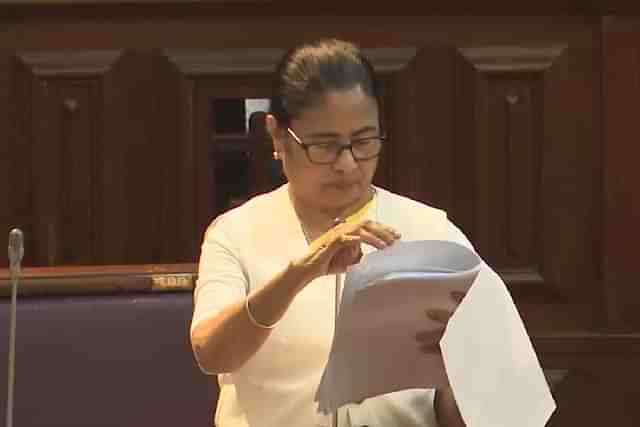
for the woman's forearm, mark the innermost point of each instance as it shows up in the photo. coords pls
(225, 342)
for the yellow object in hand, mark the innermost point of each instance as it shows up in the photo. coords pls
(353, 218)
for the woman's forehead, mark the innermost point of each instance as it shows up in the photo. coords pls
(339, 109)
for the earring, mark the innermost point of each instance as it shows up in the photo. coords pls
(276, 155)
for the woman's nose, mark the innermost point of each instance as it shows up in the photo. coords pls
(345, 161)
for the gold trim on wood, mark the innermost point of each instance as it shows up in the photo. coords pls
(172, 282)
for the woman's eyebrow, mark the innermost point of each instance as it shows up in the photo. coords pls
(323, 135)
(358, 132)
(364, 129)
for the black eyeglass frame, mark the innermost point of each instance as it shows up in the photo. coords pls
(381, 138)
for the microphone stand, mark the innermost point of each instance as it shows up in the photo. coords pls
(16, 252)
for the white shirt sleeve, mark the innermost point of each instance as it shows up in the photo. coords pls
(221, 278)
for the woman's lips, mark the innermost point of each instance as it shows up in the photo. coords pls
(343, 185)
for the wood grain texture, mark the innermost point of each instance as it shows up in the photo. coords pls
(58, 99)
(522, 128)
(6, 147)
(106, 280)
(621, 88)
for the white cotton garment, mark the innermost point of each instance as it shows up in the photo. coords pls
(241, 251)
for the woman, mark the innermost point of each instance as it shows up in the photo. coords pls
(265, 297)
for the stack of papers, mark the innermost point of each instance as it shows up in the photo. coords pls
(487, 356)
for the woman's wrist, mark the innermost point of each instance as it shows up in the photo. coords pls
(297, 275)
(265, 307)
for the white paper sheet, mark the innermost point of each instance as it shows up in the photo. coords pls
(383, 307)
(493, 370)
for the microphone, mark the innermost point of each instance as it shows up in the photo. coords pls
(16, 250)
(16, 253)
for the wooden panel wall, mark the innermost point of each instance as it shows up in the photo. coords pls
(621, 173)
(522, 128)
(491, 134)
(93, 156)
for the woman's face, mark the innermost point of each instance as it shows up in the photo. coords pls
(338, 117)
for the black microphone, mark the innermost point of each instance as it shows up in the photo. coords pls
(16, 253)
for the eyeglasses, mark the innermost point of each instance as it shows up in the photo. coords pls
(325, 153)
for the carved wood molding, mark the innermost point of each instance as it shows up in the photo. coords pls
(507, 111)
(512, 58)
(389, 60)
(271, 7)
(74, 63)
(112, 279)
(224, 61)
(263, 61)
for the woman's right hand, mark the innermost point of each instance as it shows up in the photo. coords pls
(341, 246)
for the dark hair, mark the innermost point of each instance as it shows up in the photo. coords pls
(305, 73)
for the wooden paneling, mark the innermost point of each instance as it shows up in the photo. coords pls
(19, 183)
(62, 166)
(621, 85)
(506, 113)
(491, 135)
(506, 86)
(96, 157)
(141, 156)
(423, 126)
(6, 136)
(212, 149)
(499, 131)
(521, 127)
(58, 103)
(93, 280)
(204, 77)
(208, 75)
(599, 378)
(184, 28)
(598, 391)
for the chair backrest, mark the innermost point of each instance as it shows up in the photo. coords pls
(105, 360)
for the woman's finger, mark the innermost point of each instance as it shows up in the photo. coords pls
(372, 239)
(439, 315)
(332, 243)
(344, 253)
(381, 231)
(339, 242)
